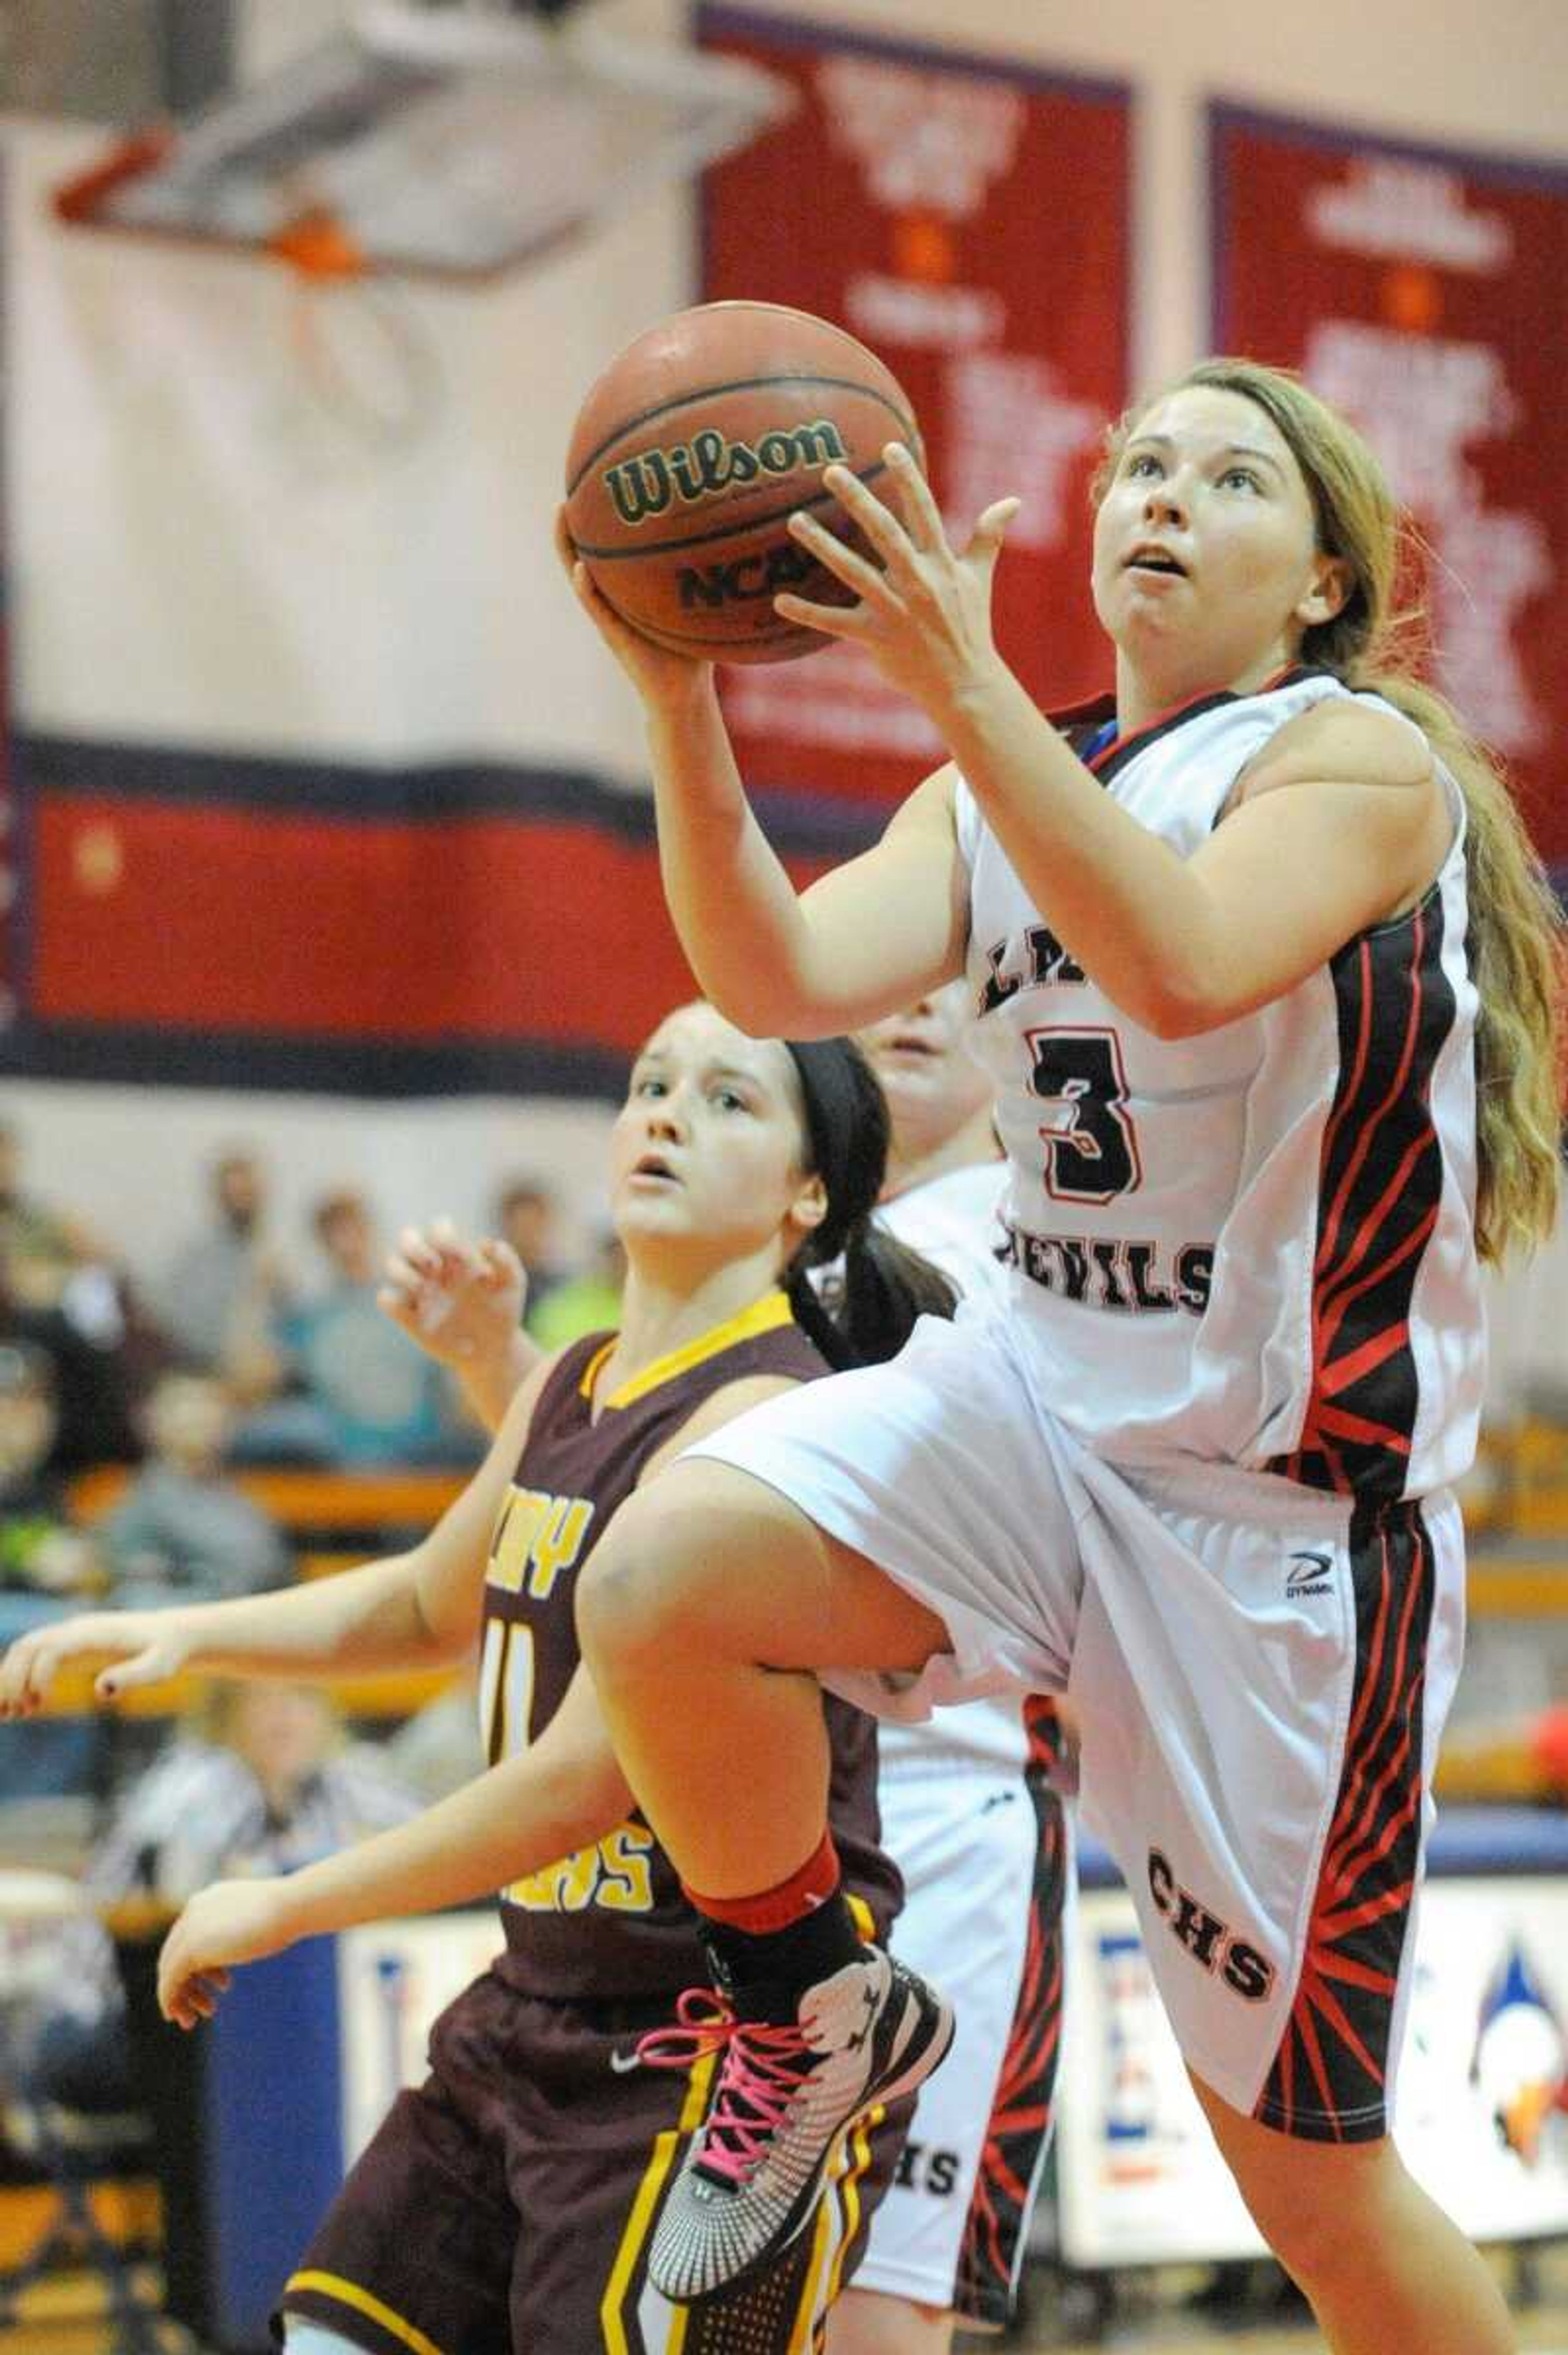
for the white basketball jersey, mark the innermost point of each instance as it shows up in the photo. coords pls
(1255, 1246)
(955, 1221)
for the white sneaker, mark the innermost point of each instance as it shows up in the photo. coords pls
(753, 2175)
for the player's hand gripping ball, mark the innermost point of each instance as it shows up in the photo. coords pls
(692, 452)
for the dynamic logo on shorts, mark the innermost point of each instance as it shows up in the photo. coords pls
(1521, 2062)
(1207, 1939)
(646, 485)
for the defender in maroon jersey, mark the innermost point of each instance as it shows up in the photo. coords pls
(507, 2203)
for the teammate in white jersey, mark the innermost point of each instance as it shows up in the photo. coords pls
(972, 1816)
(1263, 966)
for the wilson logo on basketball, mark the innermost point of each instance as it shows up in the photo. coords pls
(645, 486)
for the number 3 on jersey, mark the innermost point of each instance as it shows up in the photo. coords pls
(1091, 1145)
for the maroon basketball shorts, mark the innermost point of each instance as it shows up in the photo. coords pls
(509, 2203)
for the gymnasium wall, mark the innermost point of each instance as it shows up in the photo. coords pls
(312, 547)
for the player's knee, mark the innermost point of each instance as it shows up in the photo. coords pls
(1321, 2211)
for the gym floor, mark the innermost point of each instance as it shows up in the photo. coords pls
(1151, 2314)
(1166, 2312)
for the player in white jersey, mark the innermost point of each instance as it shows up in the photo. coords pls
(972, 1816)
(1265, 969)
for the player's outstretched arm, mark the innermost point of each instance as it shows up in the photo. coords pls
(362, 1618)
(462, 1300)
(418, 1609)
(559, 1795)
(876, 934)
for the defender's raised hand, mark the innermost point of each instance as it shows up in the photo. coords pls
(460, 1300)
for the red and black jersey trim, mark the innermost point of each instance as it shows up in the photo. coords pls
(1379, 1186)
(1330, 2078)
(1082, 722)
(1018, 2136)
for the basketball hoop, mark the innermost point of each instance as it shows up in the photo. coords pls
(431, 142)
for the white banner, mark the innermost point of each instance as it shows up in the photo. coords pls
(1482, 2113)
(394, 1979)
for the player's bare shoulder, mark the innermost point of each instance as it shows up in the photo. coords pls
(1343, 741)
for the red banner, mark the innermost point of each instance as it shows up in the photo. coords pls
(969, 220)
(1421, 290)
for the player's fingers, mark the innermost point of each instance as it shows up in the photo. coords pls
(565, 546)
(188, 2004)
(833, 621)
(398, 1303)
(878, 523)
(618, 636)
(842, 561)
(501, 1257)
(153, 1664)
(921, 515)
(25, 1676)
(418, 1247)
(986, 541)
(198, 1996)
(13, 1671)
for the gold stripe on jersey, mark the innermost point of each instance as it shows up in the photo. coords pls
(644, 2207)
(764, 1315)
(349, 2293)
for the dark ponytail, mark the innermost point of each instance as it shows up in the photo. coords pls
(884, 1287)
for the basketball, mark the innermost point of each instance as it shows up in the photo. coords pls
(693, 449)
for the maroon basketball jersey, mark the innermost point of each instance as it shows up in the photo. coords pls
(611, 1920)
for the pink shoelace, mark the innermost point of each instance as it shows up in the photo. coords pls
(760, 2071)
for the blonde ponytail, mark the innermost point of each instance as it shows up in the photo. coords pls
(1516, 952)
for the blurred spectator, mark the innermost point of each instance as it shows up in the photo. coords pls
(588, 1303)
(526, 1218)
(262, 1782)
(46, 1565)
(226, 1289)
(361, 1392)
(31, 1234)
(184, 1529)
(61, 1293)
(438, 1749)
(40, 1552)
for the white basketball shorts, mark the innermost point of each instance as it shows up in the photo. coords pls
(984, 1844)
(1263, 1673)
